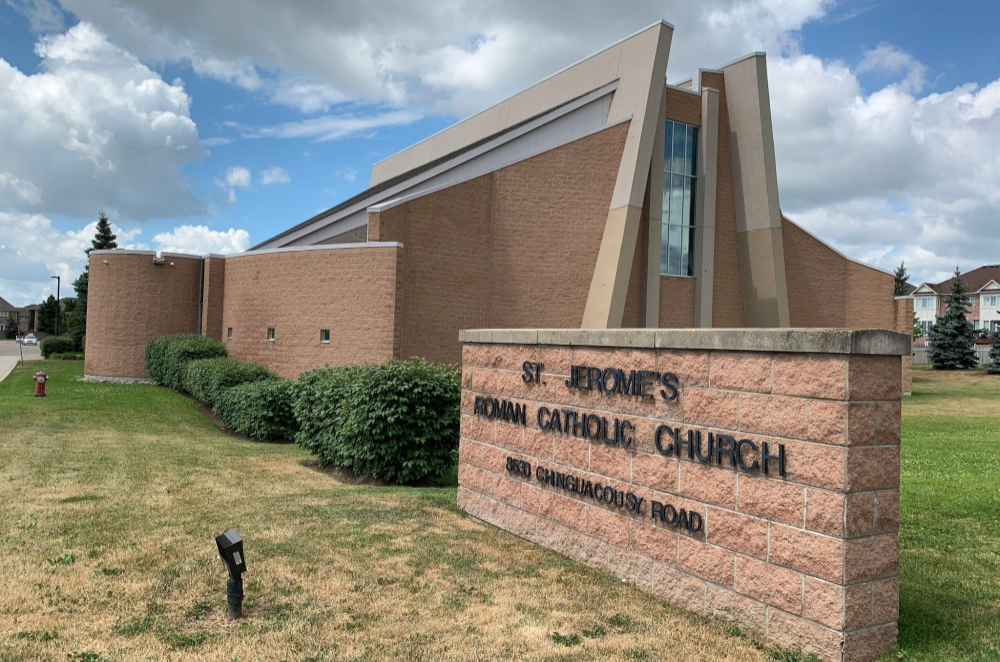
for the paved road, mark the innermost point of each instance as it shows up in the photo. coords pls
(10, 354)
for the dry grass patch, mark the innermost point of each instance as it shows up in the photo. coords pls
(113, 495)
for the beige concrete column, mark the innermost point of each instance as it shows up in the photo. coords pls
(755, 183)
(642, 70)
(704, 233)
(651, 304)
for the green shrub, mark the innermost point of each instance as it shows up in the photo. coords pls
(57, 344)
(259, 409)
(67, 356)
(396, 421)
(166, 356)
(206, 379)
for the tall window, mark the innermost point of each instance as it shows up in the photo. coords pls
(679, 181)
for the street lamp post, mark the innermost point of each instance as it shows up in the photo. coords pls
(58, 302)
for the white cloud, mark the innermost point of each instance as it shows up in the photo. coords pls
(328, 127)
(889, 175)
(459, 56)
(43, 16)
(306, 95)
(94, 128)
(32, 250)
(215, 142)
(274, 175)
(886, 58)
(237, 177)
(199, 240)
(349, 174)
(234, 178)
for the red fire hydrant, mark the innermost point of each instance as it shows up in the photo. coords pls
(40, 379)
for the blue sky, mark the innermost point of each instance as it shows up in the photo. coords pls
(178, 111)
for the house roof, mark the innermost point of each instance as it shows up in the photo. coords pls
(974, 280)
(5, 305)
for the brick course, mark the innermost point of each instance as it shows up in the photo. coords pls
(806, 560)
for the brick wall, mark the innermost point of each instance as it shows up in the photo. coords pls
(213, 295)
(727, 287)
(515, 247)
(676, 302)
(132, 299)
(808, 560)
(825, 289)
(352, 292)
(903, 309)
(683, 107)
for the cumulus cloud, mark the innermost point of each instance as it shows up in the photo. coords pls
(235, 177)
(200, 239)
(889, 175)
(32, 250)
(43, 15)
(455, 56)
(112, 132)
(274, 175)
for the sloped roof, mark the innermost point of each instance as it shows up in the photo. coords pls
(5, 305)
(974, 280)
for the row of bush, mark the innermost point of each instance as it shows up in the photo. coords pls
(398, 421)
(58, 345)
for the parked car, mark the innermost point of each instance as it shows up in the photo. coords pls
(30, 339)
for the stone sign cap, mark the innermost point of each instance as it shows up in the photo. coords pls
(812, 341)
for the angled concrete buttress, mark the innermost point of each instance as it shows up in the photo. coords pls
(755, 180)
(642, 70)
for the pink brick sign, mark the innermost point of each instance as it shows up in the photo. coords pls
(750, 476)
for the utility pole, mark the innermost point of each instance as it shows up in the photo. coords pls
(58, 302)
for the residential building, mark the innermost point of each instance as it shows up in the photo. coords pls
(601, 197)
(983, 285)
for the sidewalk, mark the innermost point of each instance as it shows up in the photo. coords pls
(7, 364)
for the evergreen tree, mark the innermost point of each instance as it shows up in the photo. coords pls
(901, 276)
(993, 367)
(47, 315)
(11, 330)
(952, 342)
(918, 330)
(104, 239)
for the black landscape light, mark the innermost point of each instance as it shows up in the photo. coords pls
(231, 552)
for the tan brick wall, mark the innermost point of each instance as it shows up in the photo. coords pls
(809, 560)
(677, 302)
(683, 107)
(903, 309)
(827, 290)
(352, 292)
(515, 247)
(213, 297)
(727, 287)
(130, 300)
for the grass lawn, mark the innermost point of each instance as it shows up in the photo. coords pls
(950, 529)
(112, 495)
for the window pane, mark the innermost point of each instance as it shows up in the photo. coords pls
(691, 248)
(663, 248)
(684, 252)
(687, 151)
(677, 200)
(674, 251)
(686, 217)
(694, 151)
(692, 217)
(667, 143)
(666, 198)
(678, 151)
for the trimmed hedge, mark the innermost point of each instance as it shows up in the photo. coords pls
(57, 345)
(397, 421)
(166, 356)
(67, 356)
(259, 409)
(206, 379)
